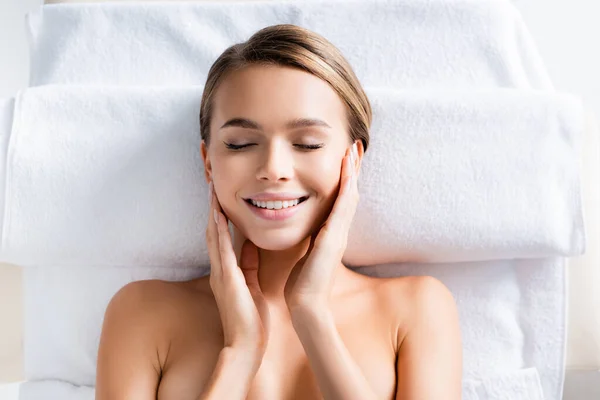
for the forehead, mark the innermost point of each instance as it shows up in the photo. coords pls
(274, 95)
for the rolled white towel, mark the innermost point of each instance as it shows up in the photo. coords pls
(7, 107)
(104, 176)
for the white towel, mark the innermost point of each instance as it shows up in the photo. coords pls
(398, 43)
(512, 316)
(7, 107)
(109, 176)
(518, 385)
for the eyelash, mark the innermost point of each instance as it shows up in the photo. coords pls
(302, 146)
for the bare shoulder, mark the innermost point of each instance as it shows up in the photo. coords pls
(142, 324)
(429, 347)
(420, 291)
(156, 311)
(414, 300)
(152, 297)
(163, 298)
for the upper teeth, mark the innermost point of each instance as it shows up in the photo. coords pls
(275, 205)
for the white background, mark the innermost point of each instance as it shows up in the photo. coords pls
(567, 33)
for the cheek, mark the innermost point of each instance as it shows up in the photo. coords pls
(227, 173)
(227, 178)
(223, 166)
(327, 172)
(324, 181)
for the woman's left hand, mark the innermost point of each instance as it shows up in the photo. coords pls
(311, 279)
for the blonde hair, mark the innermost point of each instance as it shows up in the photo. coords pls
(293, 46)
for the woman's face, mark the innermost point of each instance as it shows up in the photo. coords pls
(254, 107)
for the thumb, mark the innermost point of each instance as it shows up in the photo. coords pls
(249, 265)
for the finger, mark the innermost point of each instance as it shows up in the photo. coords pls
(311, 245)
(249, 265)
(344, 182)
(313, 239)
(212, 238)
(353, 169)
(353, 189)
(345, 204)
(226, 253)
(265, 315)
(218, 206)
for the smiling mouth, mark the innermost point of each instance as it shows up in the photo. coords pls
(274, 204)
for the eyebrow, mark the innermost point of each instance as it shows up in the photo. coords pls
(293, 124)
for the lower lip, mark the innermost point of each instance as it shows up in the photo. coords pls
(275, 215)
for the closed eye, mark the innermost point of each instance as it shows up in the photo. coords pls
(232, 146)
(309, 146)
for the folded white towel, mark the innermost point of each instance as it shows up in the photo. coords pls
(105, 176)
(399, 43)
(512, 316)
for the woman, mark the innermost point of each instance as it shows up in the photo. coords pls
(284, 125)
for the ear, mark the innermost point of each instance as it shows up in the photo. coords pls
(206, 161)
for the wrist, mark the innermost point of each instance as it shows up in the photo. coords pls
(304, 315)
(232, 376)
(311, 305)
(248, 358)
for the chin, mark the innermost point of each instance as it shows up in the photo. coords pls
(276, 241)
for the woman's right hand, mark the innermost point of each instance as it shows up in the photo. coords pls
(241, 303)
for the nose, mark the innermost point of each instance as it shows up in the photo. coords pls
(277, 163)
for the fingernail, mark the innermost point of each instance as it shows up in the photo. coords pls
(216, 217)
(355, 151)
